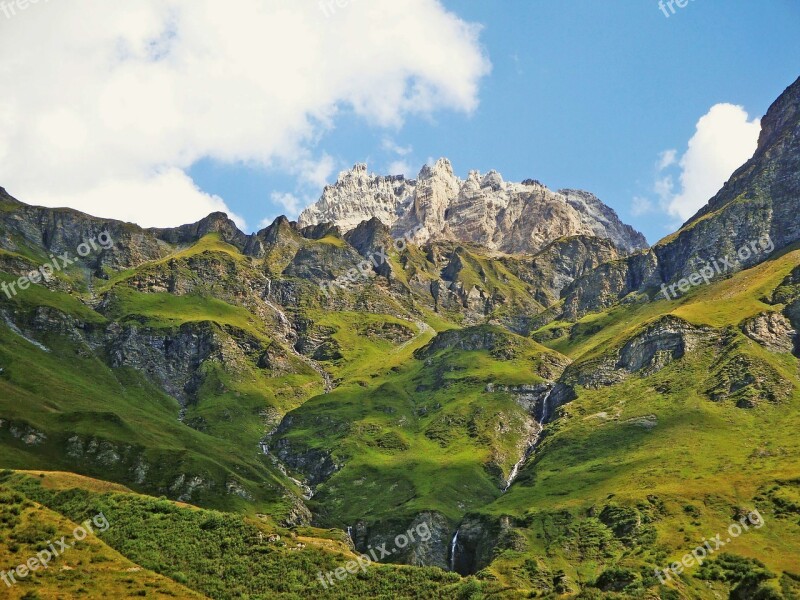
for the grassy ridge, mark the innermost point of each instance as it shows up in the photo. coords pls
(219, 555)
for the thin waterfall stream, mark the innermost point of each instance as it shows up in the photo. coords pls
(531, 447)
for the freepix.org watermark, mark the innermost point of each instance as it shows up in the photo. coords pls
(663, 5)
(423, 534)
(364, 270)
(56, 264)
(55, 550)
(717, 267)
(12, 7)
(328, 7)
(709, 547)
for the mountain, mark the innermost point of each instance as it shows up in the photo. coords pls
(483, 210)
(264, 408)
(760, 201)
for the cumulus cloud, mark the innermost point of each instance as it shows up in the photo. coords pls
(164, 199)
(115, 101)
(724, 140)
(391, 146)
(289, 202)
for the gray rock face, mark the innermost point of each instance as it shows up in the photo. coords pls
(483, 210)
(358, 196)
(214, 223)
(609, 284)
(772, 330)
(171, 358)
(62, 230)
(316, 465)
(431, 532)
(602, 220)
(665, 341)
(480, 538)
(662, 342)
(475, 338)
(565, 260)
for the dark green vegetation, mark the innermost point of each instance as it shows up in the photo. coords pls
(215, 554)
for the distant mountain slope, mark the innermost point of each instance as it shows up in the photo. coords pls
(483, 210)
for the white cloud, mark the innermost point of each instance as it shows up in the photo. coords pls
(115, 101)
(291, 206)
(641, 206)
(289, 202)
(666, 159)
(400, 167)
(724, 140)
(391, 146)
(312, 173)
(165, 199)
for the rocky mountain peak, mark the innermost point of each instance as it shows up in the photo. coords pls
(217, 222)
(784, 111)
(441, 168)
(484, 210)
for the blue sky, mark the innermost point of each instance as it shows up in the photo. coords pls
(581, 93)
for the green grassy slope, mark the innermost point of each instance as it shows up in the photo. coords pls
(424, 434)
(683, 466)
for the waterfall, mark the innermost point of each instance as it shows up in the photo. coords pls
(533, 442)
(515, 471)
(453, 548)
(546, 407)
(350, 533)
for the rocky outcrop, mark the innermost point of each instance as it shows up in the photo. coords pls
(171, 358)
(647, 352)
(430, 530)
(559, 264)
(369, 237)
(609, 284)
(474, 338)
(603, 221)
(746, 380)
(482, 209)
(772, 330)
(54, 231)
(480, 538)
(216, 222)
(317, 466)
(358, 196)
(788, 293)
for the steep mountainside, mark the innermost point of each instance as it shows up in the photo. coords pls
(483, 210)
(760, 202)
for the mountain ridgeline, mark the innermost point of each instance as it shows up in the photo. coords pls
(513, 380)
(482, 210)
